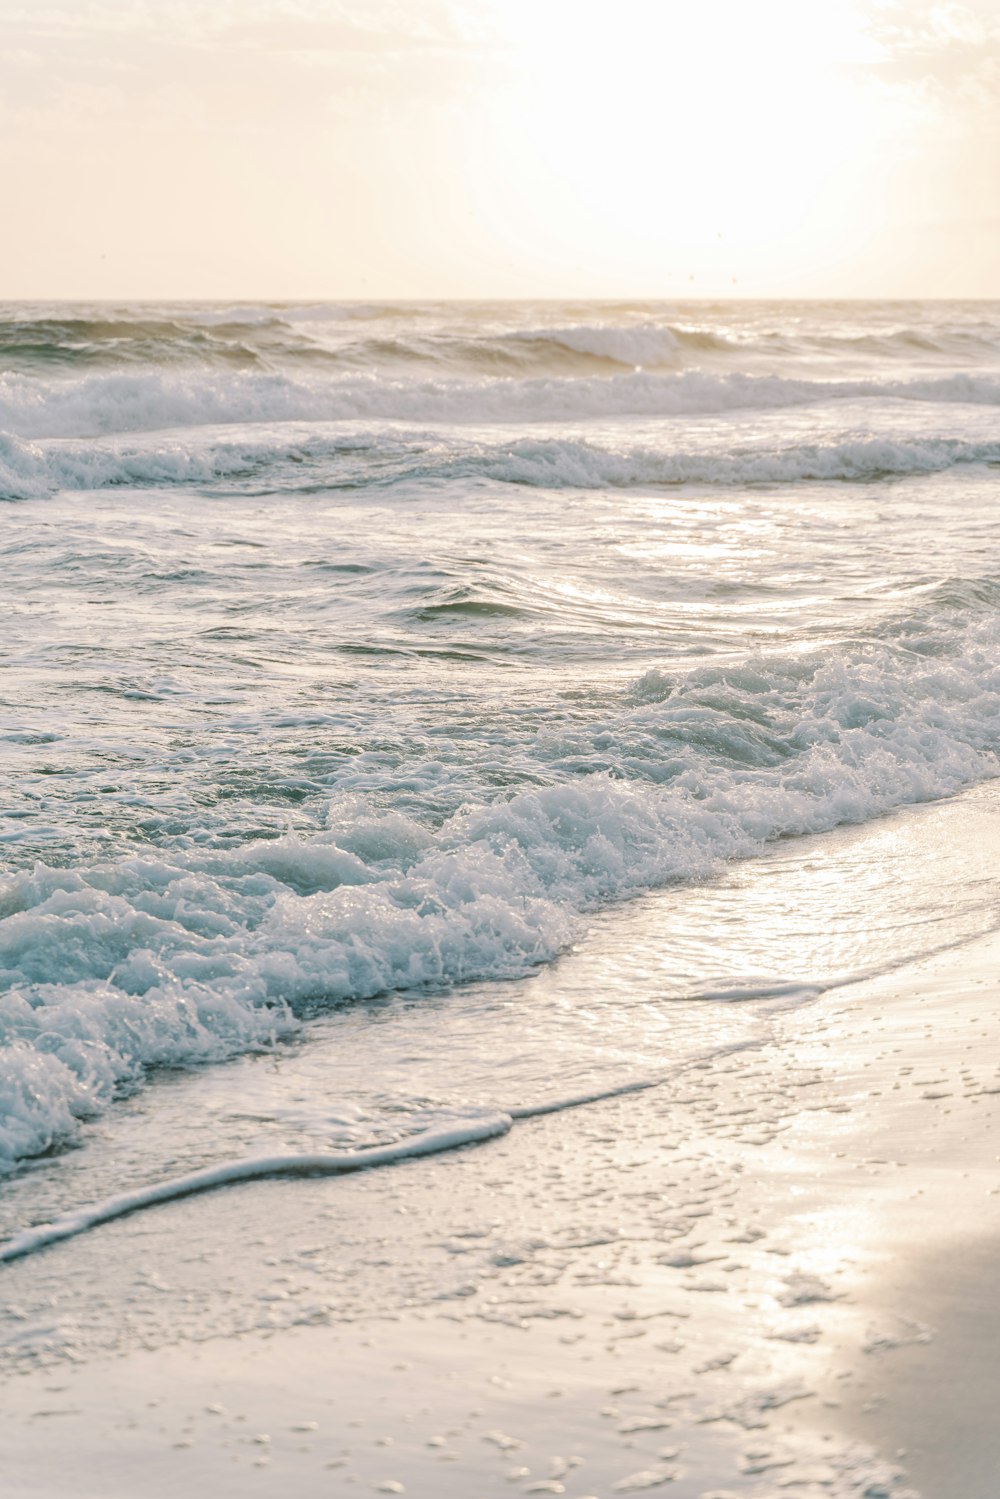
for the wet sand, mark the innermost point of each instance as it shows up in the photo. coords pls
(773, 1275)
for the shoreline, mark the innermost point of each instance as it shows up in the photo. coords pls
(774, 1273)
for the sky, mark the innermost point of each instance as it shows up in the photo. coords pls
(301, 149)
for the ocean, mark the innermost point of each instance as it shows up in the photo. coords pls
(418, 714)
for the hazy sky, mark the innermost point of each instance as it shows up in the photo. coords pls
(407, 148)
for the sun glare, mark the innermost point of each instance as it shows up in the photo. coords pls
(712, 141)
(483, 148)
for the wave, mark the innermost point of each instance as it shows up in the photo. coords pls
(340, 461)
(489, 339)
(581, 465)
(72, 343)
(237, 336)
(580, 350)
(637, 346)
(625, 335)
(253, 337)
(977, 343)
(175, 957)
(675, 345)
(30, 470)
(97, 405)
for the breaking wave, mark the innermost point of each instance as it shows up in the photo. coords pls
(96, 405)
(175, 957)
(278, 336)
(338, 459)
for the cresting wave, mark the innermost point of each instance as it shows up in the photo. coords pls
(275, 336)
(271, 342)
(178, 956)
(642, 345)
(96, 405)
(303, 459)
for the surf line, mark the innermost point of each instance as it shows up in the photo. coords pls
(489, 1125)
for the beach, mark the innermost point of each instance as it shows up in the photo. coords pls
(771, 1274)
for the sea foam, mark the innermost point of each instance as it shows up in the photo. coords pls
(180, 956)
(125, 401)
(301, 457)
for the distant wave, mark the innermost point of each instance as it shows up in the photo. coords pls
(148, 401)
(273, 345)
(583, 465)
(305, 459)
(288, 339)
(643, 345)
(584, 349)
(73, 343)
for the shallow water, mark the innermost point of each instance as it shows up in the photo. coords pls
(361, 661)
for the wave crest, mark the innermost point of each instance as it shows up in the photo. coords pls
(101, 405)
(309, 459)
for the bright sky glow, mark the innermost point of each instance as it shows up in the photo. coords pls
(407, 148)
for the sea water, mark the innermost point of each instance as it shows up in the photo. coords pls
(412, 712)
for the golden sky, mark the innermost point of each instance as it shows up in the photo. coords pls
(476, 148)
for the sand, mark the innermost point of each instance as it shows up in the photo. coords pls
(773, 1275)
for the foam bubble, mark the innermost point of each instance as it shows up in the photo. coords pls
(187, 956)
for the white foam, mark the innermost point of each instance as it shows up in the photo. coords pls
(31, 470)
(127, 401)
(428, 1142)
(583, 465)
(469, 1127)
(179, 957)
